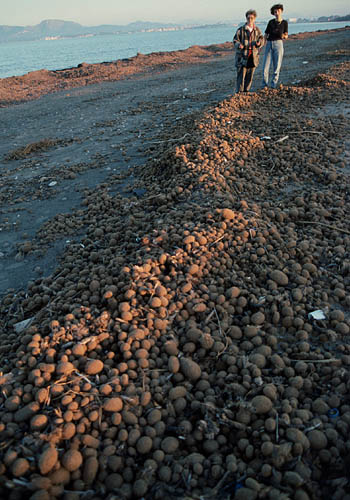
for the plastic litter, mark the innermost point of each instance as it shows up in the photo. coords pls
(333, 413)
(22, 325)
(238, 486)
(317, 315)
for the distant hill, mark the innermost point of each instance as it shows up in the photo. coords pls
(56, 28)
(325, 19)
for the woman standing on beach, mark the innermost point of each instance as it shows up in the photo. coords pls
(247, 40)
(276, 31)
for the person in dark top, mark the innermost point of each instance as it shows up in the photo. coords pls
(276, 31)
(247, 41)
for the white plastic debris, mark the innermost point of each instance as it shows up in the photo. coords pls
(305, 62)
(22, 325)
(53, 183)
(282, 139)
(265, 138)
(317, 315)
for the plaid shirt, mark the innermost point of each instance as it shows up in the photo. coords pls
(249, 40)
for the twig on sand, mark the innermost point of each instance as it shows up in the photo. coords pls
(282, 139)
(211, 244)
(84, 378)
(332, 360)
(313, 427)
(207, 91)
(217, 317)
(214, 492)
(169, 140)
(209, 317)
(324, 225)
(306, 132)
(222, 334)
(216, 241)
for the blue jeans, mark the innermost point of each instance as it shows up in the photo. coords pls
(273, 50)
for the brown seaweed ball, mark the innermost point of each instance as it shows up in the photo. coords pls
(144, 445)
(169, 445)
(65, 368)
(140, 488)
(40, 495)
(279, 277)
(233, 292)
(154, 416)
(20, 467)
(257, 318)
(113, 404)
(79, 349)
(177, 392)
(68, 431)
(193, 269)
(48, 460)
(318, 439)
(90, 469)
(190, 369)
(261, 404)
(93, 367)
(72, 460)
(155, 302)
(171, 348)
(228, 214)
(161, 291)
(124, 307)
(173, 364)
(38, 422)
(94, 286)
(258, 360)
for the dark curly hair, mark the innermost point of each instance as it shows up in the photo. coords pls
(275, 7)
(251, 12)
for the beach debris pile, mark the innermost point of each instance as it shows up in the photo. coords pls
(195, 344)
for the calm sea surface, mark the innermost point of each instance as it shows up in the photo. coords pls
(18, 58)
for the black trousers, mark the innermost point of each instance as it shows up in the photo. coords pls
(245, 76)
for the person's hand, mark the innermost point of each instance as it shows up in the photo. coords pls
(285, 36)
(241, 46)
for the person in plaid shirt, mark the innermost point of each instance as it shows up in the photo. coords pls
(248, 40)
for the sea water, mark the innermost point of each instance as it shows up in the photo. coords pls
(19, 58)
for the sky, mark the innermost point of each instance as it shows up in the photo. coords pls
(94, 12)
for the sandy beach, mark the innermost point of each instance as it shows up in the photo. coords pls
(175, 275)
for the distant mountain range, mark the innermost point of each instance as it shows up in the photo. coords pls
(55, 28)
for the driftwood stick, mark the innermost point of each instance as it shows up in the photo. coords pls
(324, 225)
(169, 140)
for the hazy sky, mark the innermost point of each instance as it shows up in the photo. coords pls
(93, 12)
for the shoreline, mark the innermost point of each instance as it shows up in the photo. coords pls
(35, 84)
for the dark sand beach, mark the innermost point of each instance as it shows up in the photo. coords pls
(175, 276)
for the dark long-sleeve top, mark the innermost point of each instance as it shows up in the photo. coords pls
(275, 30)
